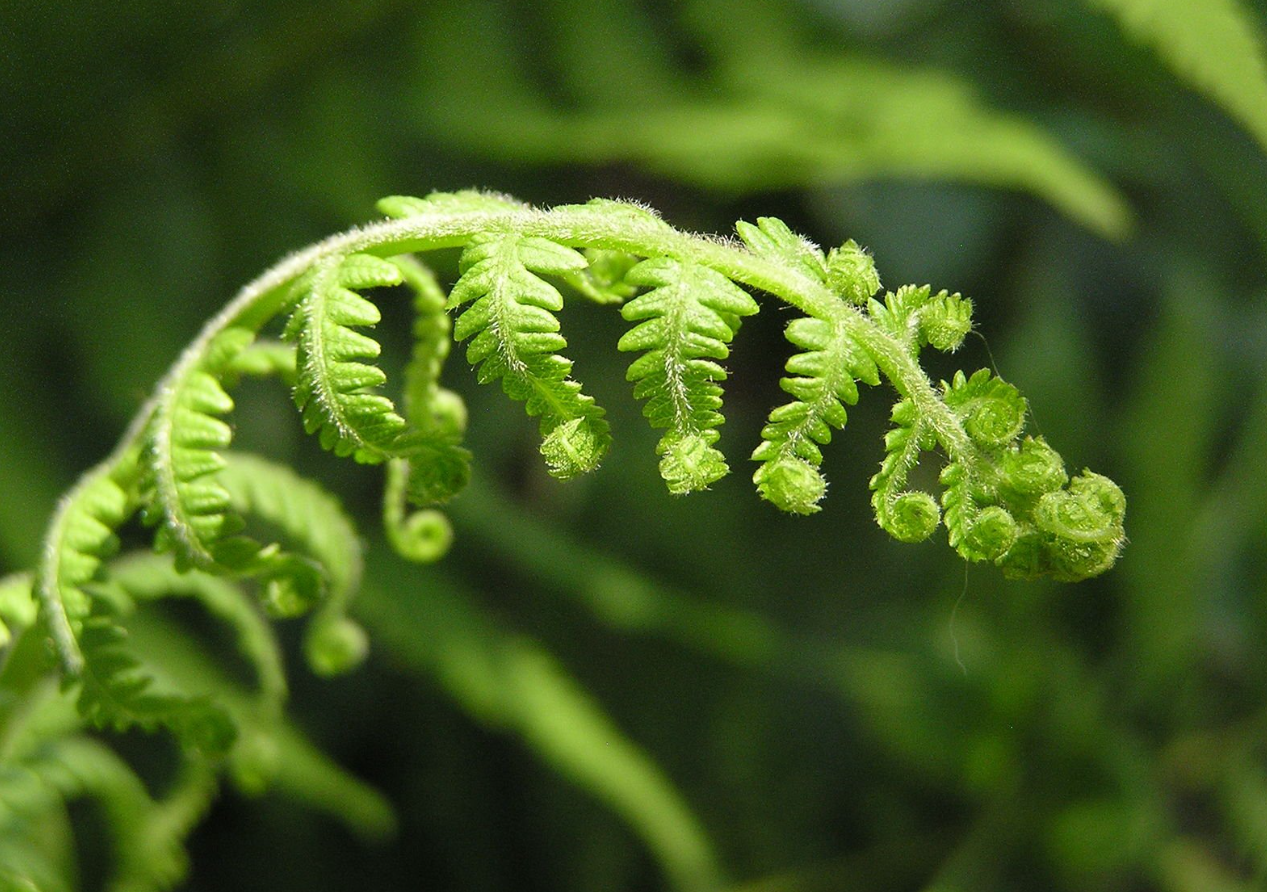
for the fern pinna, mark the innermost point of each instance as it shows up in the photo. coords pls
(1007, 498)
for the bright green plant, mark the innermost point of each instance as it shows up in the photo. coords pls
(226, 518)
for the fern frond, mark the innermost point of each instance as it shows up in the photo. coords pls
(822, 380)
(443, 469)
(906, 516)
(463, 201)
(603, 279)
(772, 239)
(186, 435)
(511, 683)
(993, 411)
(915, 317)
(149, 577)
(336, 380)
(117, 692)
(265, 359)
(515, 337)
(685, 322)
(148, 839)
(315, 526)
(334, 387)
(81, 536)
(18, 606)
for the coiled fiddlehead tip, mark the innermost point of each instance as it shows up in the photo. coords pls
(1084, 525)
(992, 410)
(1033, 469)
(791, 485)
(422, 536)
(851, 273)
(945, 321)
(335, 645)
(912, 517)
(689, 463)
(990, 536)
(575, 447)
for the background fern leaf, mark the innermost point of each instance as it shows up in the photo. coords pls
(117, 692)
(313, 523)
(685, 322)
(1215, 45)
(514, 336)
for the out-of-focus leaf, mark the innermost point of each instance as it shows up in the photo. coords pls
(510, 682)
(1215, 45)
(808, 120)
(298, 769)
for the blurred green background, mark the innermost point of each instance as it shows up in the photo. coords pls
(607, 688)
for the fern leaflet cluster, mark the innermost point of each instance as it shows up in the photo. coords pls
(251, 540)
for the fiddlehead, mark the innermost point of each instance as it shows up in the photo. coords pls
(1007, 498)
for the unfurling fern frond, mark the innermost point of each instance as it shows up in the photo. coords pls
(906, 516)
(685, 323)
(1007, 498)
(318, 534)
(514, 336)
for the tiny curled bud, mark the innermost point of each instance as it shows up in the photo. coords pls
(993, 411)
(946, 320)
(254, 762)
(1033, 469)
(335, 645)
(912, 517)
(448, 410)
(689, 462)
(791, 485)
(423, 537)
(990, 536)
(573, 448)
(851, 273)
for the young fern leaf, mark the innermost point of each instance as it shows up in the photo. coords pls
(335, 387)
(772, 239)
(822, 380)
(182, 460)
(685, 323)
(428, 405)
(906, 516)
(424, 536)
(514, 336)
(18, 607)
(915, 317)
(81, 536)
(117, 692)
(315, 526)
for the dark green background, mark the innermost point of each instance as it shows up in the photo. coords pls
(807, 684)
